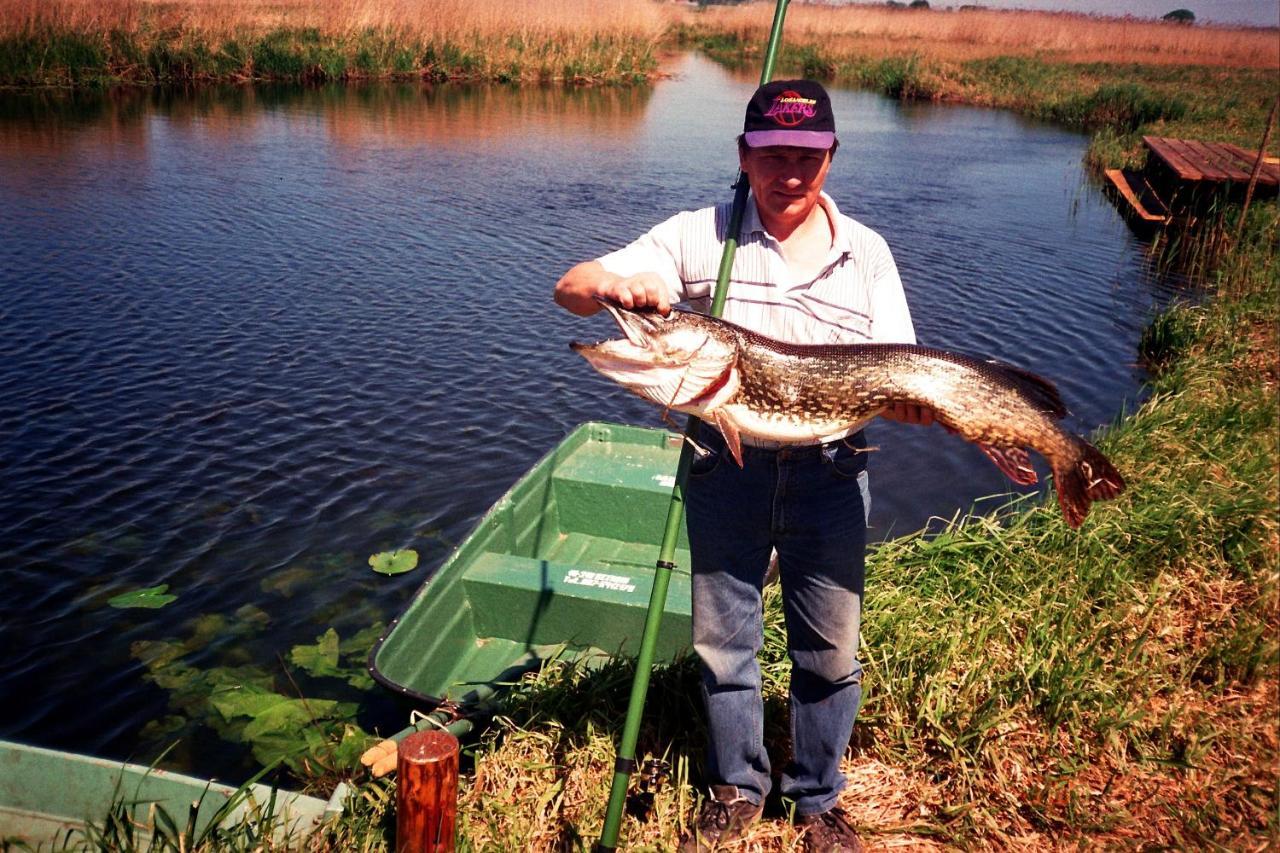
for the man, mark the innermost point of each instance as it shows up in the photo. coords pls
(804, 273)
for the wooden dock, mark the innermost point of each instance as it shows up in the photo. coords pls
(1191, 160)
(1185, 177)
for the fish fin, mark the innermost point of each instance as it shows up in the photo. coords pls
(1043, 393)
(1087, 477)
(1013, 461)
(730, 432)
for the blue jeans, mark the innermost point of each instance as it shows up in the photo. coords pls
(810, 504)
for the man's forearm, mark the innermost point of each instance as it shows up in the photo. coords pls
(577, 290)
(581, 286)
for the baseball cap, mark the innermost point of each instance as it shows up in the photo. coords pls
(790, 112)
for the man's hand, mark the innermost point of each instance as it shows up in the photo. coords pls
(909, 413)
(646, 290)
(581, 286)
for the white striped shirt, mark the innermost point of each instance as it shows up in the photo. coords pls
(857, 296)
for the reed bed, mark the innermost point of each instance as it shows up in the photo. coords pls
(879, 31)
(77, 42)
(71, 42)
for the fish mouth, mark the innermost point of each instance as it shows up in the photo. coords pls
(639, 326)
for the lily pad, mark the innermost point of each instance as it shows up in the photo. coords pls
(394, 562)
(153, 597)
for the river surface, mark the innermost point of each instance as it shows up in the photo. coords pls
(253, 335)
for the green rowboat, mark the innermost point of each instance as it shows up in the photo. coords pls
(561, 566)
(47, 797)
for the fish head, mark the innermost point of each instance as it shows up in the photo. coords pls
(682, 361)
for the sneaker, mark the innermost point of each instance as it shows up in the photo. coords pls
(830, 832)
(725, 817)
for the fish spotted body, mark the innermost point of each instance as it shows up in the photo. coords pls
(750, 385)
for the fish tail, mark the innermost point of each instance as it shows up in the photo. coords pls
(1086, 477)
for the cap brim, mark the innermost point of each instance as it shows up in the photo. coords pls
(795, 138)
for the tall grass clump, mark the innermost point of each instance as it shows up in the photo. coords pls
(74, 42)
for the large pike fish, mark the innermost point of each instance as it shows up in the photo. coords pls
(747, 384)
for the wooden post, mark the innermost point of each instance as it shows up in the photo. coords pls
(427, 793)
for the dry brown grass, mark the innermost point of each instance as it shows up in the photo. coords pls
(870, 30)
(424, 19)
(542, 788)
(957, 36)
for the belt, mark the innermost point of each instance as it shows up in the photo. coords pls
(766, 444)
(709, 434)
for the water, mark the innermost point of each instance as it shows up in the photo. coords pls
(252, 336)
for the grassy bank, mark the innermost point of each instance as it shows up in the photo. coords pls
(77, 42)
(1109, 75)
(1026, 684)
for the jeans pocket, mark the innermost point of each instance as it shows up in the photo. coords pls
(705, 464)
(847, 460)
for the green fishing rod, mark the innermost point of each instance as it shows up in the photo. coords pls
(625, 763)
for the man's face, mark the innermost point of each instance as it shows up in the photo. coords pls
(785, 180)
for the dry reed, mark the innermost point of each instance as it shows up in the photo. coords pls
(878, 31)
(81, 42)
(423, 19)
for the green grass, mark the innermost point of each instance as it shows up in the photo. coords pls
(1119, 102)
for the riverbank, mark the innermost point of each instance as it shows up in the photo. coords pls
(1026, 684)
(1106, 75)
(1036, 62)
(149, 42)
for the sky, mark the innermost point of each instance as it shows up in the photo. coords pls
(1252, 12)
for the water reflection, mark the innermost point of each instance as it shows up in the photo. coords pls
(405, 114)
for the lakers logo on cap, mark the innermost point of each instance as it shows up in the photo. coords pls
(790, 108)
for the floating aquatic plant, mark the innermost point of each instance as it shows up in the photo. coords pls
(151, 597)
(394, 562)
(313, 737)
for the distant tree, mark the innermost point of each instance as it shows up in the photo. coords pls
(1181, 16)
(919, 4)
(895, 4)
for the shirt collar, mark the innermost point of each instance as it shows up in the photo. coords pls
(840, 240)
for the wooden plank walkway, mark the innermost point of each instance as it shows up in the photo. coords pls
(1214, 162)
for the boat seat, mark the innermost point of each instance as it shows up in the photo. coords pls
(616, 494)
(539, 602)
